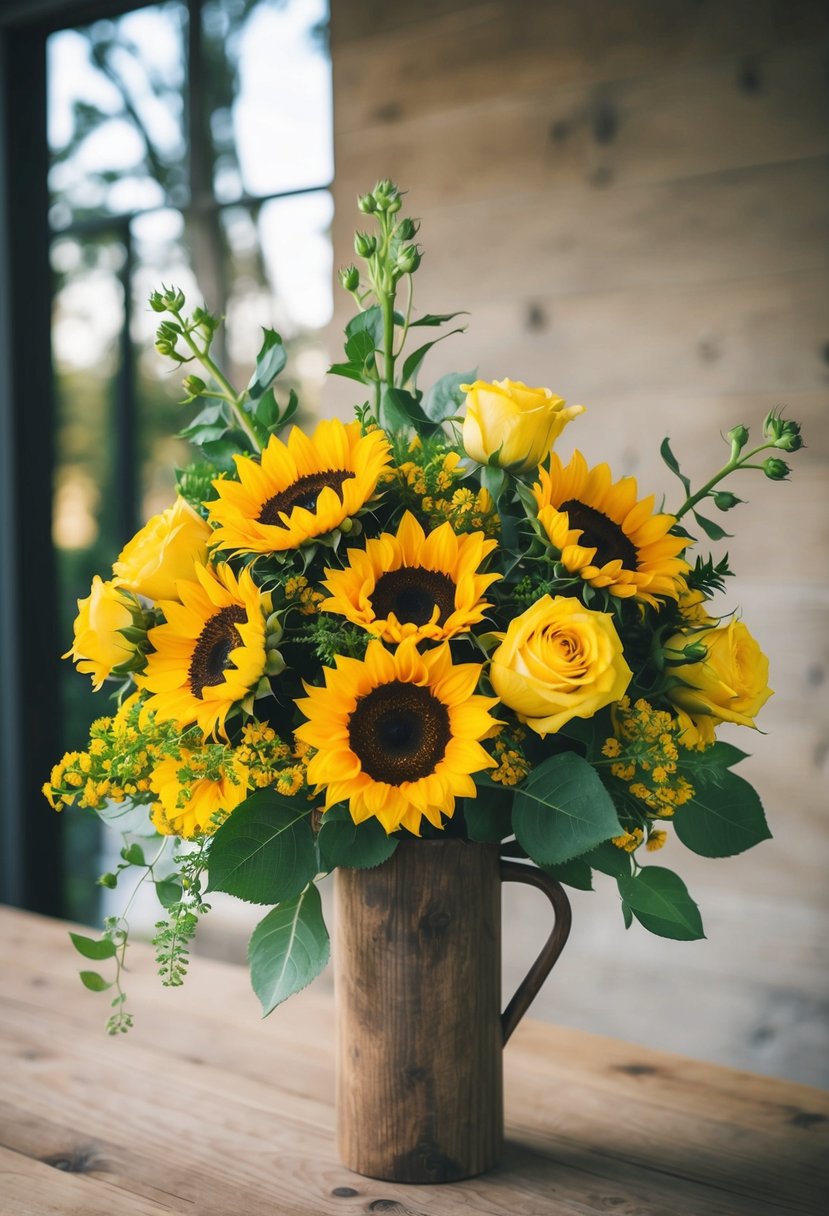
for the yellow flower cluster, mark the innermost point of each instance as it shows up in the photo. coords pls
(269, 761)
(512, 766)
(466, 511)
(645, 752)
(298, 591)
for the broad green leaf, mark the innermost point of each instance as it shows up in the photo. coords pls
(563, 810)
(351, 371)
(89, 948)
(270, 361)
(575, 873)
(290, 409)
(659, 900)
(266, 411)
(400, 410)
(713, 763)
(209, 423)
(627, 915)
(288, 949)
(673, 464)
(342, 842)
(360, 348)
(372, 322)
(445, 398)
(608, 859)
(488, 815)
(94, 982)
(722, 819)
(264, 852)
(220, 452)
(712, 531)
(168, 892)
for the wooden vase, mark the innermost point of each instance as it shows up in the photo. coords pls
(420, 1032)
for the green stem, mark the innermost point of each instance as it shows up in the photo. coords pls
(407, 322)
(733, 464)
(228, 392)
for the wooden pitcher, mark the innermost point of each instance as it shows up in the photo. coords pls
(420, 1032)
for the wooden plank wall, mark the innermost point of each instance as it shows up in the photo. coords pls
(631, 198)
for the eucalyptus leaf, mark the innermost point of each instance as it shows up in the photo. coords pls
(264, 852)
(288, 949)
(659, 900)
(562, 810)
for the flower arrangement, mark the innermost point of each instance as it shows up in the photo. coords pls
(419, 622)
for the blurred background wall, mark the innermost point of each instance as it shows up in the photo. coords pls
(631, 200)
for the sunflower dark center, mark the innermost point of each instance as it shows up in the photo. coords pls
(304, 492)
(412, 594)
(399, 732)
(600, 533)
(211, 656)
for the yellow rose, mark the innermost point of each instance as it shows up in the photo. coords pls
(559, 660)
(99, 646)
(166, 549)
(515, 424)
(729, 685)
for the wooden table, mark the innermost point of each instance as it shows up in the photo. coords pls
(205, 1109)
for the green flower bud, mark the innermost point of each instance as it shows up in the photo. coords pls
(790, 439)
(695, 652)
(165, 347)
(364, 245)
(394, 204)
(108, 880)
(725, 500)
(157, 303)
(172, 298)
(384, 187)
(406, 229)
(194, 386)
(775, 468)
(738, 435)
(772, 425)
(350, 278)
(408, 259)
(367, 204)
(206, 320)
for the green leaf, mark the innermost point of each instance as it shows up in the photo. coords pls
(445, 398)
(220, 452)
(370, 321)
(493, 480)
(434, 318)
(673, 464)
(575, 873)
(659, 900)
(210, 423)
(342, 842)
(712, 531)
(723, 818)
(627, 915)
(168, 892)
(412, 365)
(290, 409)
(607, 859)
(400, 410)
(360, 349)
(133, 855)
(94, 982)
(266, 411)
(351, 371)
(90, 948)
(488, 816)
(288, 949)
(264, 852)
(270, 361)
(563, 810)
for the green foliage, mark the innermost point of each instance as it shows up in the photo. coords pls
(360, 846)
(288, 949)
(575, 873)
(445, 398)
(89, 948)
(724, 817)
(562, 810)
(489, 816)
(264, 852)
(659, 900)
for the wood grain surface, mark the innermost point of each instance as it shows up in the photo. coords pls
(205, 1109)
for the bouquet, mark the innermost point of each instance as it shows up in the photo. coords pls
(417, 623)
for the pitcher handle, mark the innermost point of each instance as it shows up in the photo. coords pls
(514, 871)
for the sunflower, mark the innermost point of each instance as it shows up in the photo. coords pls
(299, 490)
(210, 653)
(605, 535)
(413, 585)
(190, 803)
(398, 735)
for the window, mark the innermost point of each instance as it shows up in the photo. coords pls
(187, 141)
